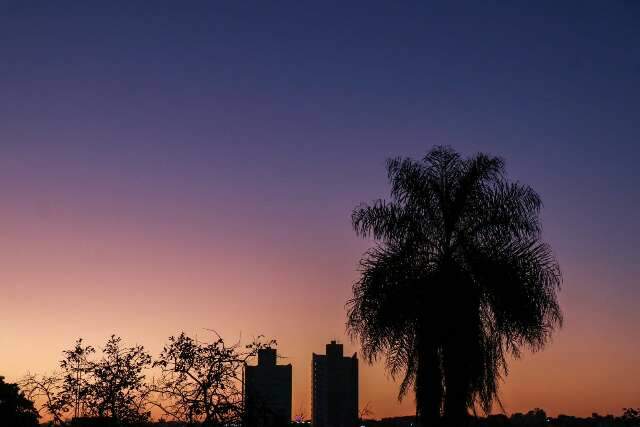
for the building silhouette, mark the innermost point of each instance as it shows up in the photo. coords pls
(267, 391)
(334, 388)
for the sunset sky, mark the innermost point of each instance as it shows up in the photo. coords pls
(169, 166)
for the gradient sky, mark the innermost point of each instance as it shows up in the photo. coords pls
(169, 166)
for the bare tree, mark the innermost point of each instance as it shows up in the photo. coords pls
(65, 390)
(201, 382)
(49, 391)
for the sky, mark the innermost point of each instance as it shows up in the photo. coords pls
(170, 166)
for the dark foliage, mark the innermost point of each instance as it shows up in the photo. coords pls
(458, 279)
(117, 388)
(15, 409)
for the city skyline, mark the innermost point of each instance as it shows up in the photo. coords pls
(183, 168)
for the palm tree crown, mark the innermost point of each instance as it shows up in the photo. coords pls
(458, 280)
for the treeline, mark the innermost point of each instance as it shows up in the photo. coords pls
(534, 418)
(191, 382)
(538, 418)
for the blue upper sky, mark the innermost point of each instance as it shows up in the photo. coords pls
(314, 96)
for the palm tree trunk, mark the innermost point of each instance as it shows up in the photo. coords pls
(456, 380)
(428, 386)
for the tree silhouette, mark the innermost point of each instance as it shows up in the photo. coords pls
(458, 280)
(52, 393)
(117, 386)
(15, 409)
(201, 382)
(64, 390)
(631, 416)
(76, 367)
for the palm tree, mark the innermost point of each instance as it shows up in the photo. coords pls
(458, 280)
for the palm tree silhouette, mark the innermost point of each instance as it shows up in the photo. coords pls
(458, 280)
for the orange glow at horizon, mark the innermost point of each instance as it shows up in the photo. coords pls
(89, 279)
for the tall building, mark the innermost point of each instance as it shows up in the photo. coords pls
(335, 388)
(267, 391)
